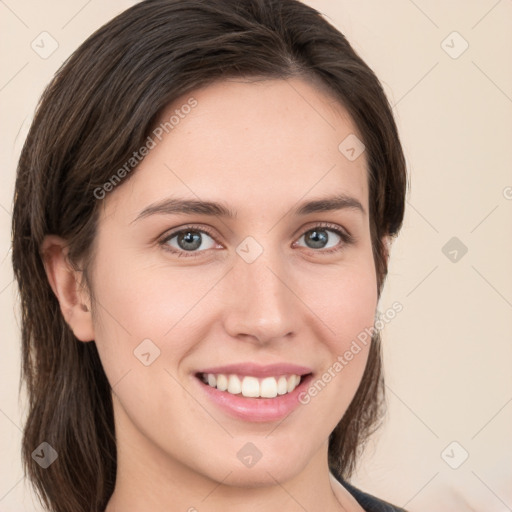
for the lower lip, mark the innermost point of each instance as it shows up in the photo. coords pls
(256, 409)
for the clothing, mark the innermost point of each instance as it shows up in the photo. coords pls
(368, 502)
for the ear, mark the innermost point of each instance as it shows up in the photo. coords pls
(66, 283)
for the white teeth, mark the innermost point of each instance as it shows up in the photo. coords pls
(268, 387)
(292, 384)
(282, 386)
(234, 385)
(252, 387)
(222, 382)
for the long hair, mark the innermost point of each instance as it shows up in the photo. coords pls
(100, 108)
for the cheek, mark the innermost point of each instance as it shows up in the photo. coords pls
(146, 307)
(137, 303)
(354, 302)
(346, 301)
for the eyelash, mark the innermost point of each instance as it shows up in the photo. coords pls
(345, 237)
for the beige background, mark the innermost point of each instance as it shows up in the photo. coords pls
(448, 353)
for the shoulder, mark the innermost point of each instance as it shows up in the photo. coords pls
(368, 502)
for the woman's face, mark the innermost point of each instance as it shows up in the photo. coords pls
(272, 284)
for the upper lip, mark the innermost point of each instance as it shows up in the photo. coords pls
(256, 370)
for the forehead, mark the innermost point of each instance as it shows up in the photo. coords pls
(262, 143)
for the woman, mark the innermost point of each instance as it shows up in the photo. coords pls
(203, 212)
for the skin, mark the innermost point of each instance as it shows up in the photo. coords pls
(260, 148)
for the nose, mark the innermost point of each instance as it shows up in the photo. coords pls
(261, 306)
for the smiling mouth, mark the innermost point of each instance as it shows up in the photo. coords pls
(252, 387)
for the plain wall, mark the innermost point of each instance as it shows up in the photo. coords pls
(448, 354)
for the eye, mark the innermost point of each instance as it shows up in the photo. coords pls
(327, 238)
(188, 240)
(191, 240)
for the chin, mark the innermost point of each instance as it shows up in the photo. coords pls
(265, 476)
(262, 473)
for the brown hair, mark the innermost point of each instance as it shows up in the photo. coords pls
(98, 110)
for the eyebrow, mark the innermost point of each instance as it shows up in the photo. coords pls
(172, 206)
